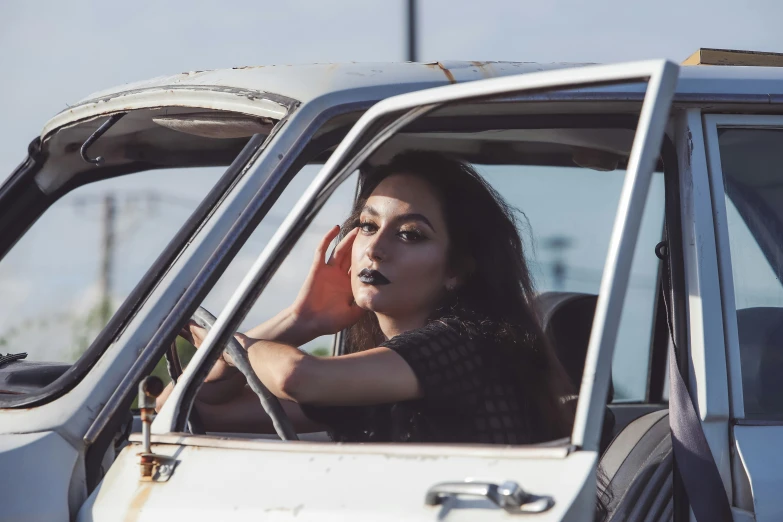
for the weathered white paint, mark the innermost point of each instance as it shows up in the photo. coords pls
(373, 484)
(363, 81)
(235, 100)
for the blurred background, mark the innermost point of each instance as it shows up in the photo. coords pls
(61, 283)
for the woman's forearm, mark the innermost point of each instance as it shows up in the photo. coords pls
(223, 390)
(211, 392)
(277, 365)
(244, 414)
(273, 349)
(287, 327)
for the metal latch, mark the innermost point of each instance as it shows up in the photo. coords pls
(508, 496)
(154, 467)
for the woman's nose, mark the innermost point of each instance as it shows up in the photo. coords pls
(375, 249)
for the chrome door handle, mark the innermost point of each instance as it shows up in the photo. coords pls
(508, 496)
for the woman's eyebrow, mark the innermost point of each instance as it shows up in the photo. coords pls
(416, 217)
(403, 217)
(370, 210)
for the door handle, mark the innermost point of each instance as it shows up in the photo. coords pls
(508, 495)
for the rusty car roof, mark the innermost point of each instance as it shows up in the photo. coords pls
(253, 89)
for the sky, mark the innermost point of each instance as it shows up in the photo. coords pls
(54, 53)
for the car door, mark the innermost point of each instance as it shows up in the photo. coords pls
(219, 478)
(744, 159)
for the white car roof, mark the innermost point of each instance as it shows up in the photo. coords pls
(374, 81)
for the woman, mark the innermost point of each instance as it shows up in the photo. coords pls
(430, 282)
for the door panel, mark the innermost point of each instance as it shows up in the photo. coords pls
(242, 480)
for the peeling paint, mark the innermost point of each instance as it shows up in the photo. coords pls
(174, 89)
(294, 510)
(262, 104)
(390, 456)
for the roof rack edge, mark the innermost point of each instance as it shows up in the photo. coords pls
(707, 56)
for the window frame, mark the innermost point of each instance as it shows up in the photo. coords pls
(387, 118)
(712, 123)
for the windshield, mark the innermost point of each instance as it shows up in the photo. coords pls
(79, 234)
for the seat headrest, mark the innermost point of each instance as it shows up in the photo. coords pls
(567, 319)
(760, 332)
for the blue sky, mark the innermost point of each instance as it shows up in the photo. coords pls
(54, 53)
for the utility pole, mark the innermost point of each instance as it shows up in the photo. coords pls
(413, 55)
(107, 257)
(558, 244)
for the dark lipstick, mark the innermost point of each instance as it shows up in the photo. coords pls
(372, 277)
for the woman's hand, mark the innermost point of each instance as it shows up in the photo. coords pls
(325, 301)
(222, 368)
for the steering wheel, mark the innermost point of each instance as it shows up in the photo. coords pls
(269, 402)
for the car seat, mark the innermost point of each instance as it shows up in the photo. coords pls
(638, 463)
(567, 319)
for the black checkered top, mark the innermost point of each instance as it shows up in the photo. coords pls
(470, 395)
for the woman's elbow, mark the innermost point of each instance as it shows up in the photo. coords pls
(296, 380)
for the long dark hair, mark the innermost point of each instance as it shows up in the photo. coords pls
(497, 297)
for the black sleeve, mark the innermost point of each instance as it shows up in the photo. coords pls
(447, 363)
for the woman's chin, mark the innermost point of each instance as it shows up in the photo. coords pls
(369, 298)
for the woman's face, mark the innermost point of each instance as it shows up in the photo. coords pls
(399, 265)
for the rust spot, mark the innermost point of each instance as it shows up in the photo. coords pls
(440, 66)
(483, 68)
(449, 75)
(137, 504)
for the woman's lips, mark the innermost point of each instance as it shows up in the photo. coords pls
(372, 277)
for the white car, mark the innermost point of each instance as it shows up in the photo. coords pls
(598, 157)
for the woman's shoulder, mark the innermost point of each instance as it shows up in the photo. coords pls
(443, 331)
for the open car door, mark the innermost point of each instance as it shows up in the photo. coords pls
(218, 478)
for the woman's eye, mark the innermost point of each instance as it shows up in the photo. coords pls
(410, 235)
(367, 227)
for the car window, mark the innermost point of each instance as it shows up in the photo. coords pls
(566, 213)
(71, 270)
(753, 183)
(282, 288)
(284, 285)
(570, 213)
